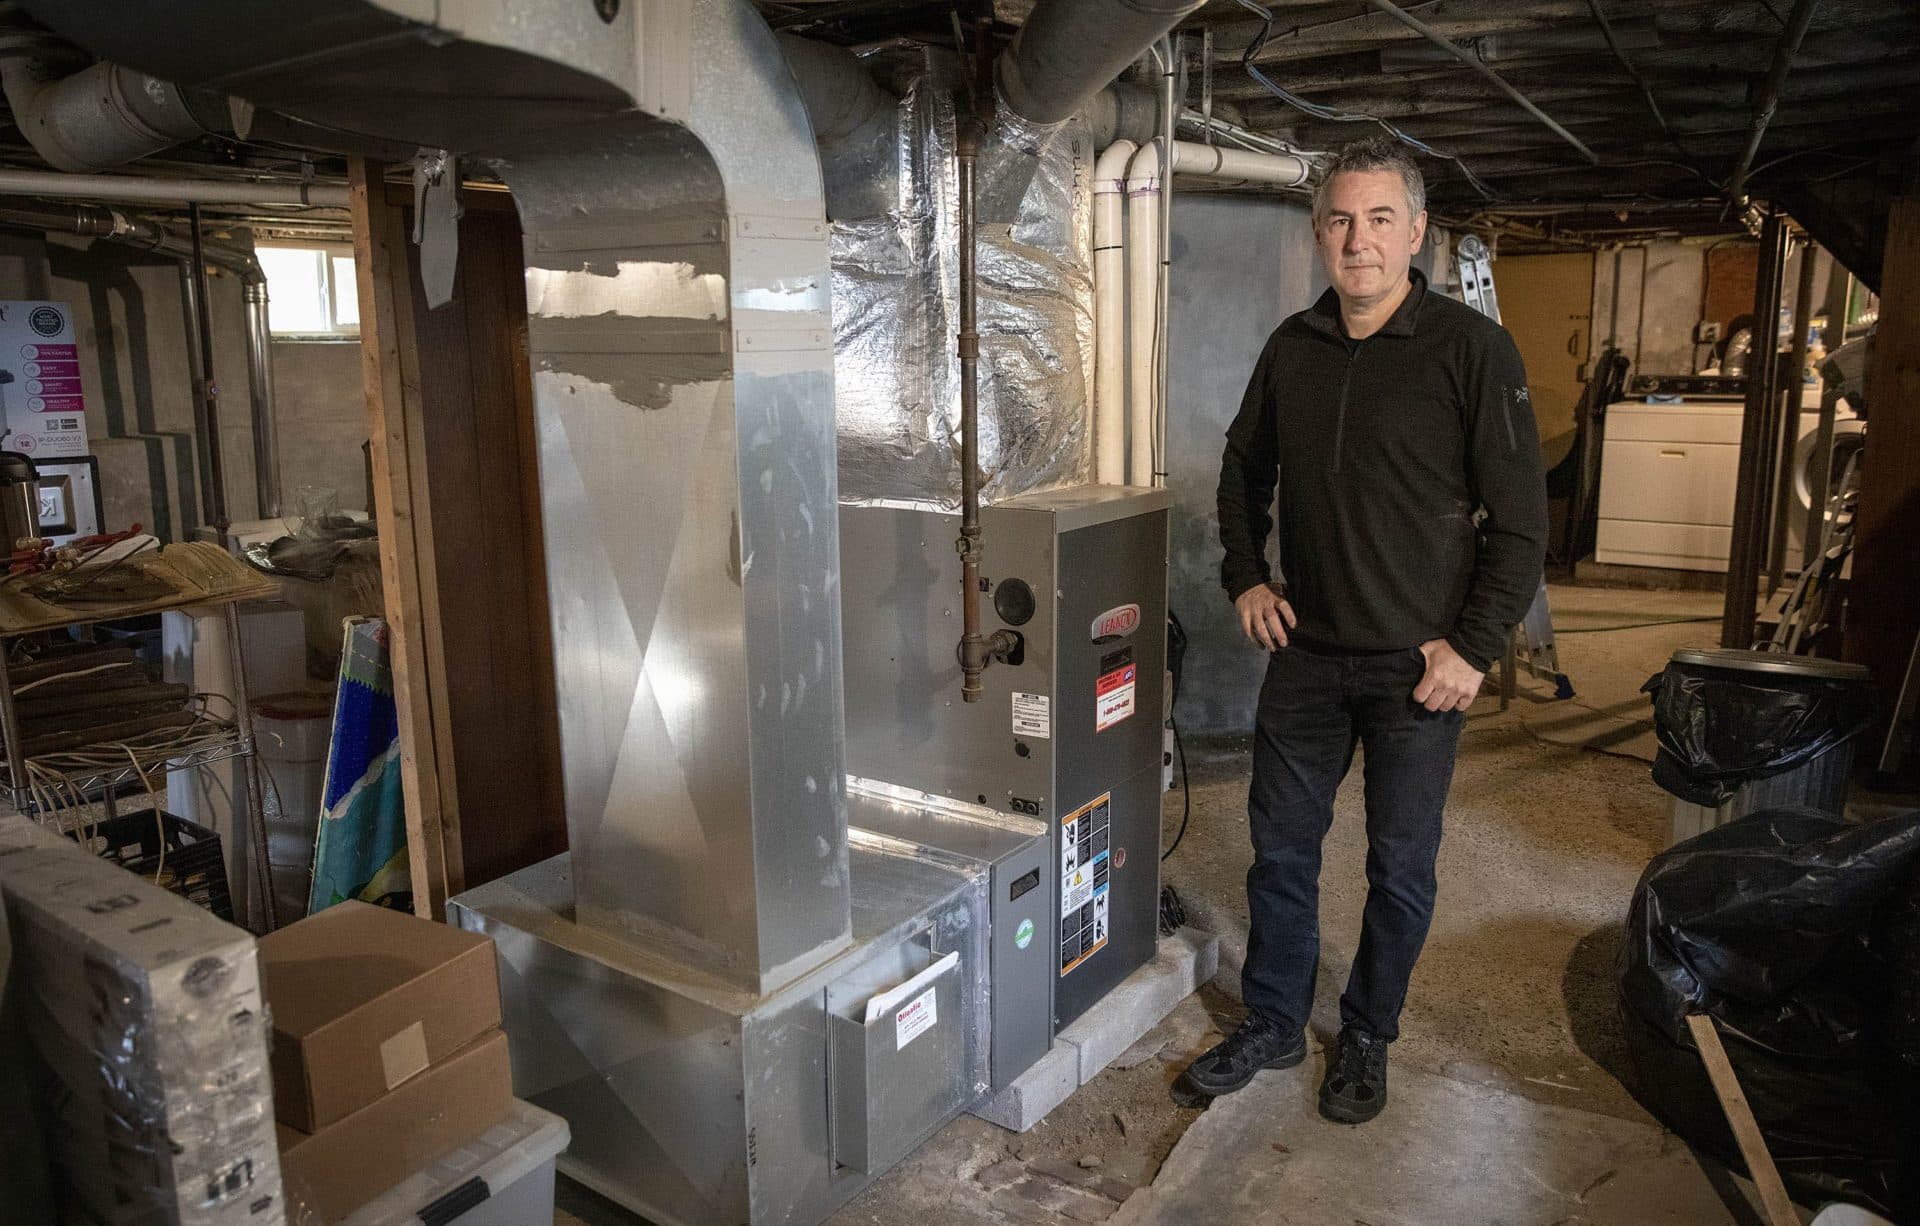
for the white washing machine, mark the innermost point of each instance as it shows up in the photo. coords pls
(1668, 473)
(1667, 479)
(1849, 439)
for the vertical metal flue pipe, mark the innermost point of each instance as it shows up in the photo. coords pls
(1788, 394)
(209, 385)
(266, 438)
(1750, 494)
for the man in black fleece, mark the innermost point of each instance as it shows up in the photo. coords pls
(1396, 425)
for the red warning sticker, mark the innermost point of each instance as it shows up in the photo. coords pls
(1113, 697)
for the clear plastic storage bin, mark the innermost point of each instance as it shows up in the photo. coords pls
(503, 1177)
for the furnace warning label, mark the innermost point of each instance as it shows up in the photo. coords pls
(915, 1019)
(1032, 715)
(1113, 697)
(1085, 859)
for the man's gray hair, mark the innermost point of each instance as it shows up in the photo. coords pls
(1375, 153)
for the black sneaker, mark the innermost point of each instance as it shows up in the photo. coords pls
(1356, 1085)
(1257, 1044)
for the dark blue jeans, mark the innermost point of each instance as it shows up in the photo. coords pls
(1314, 709)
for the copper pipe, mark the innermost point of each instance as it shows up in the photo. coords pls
(209, 389)
(975, 650)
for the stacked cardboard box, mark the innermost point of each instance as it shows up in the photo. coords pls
(150, 1043)
(387, 1050)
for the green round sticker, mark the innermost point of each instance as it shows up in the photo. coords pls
(1023, 935)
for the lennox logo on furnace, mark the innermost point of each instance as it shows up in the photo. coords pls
(1116, 623)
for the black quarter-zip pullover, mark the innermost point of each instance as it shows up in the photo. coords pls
(1382, 450)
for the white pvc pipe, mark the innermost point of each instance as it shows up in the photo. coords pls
(1242, 165)
(1145, 272)
(173, 191)
(1110, 315)
(1143, 292)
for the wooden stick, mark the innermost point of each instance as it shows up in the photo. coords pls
(105, 734)
(403, 514)
(1746, 1130)
(73, 723)
(34, 706)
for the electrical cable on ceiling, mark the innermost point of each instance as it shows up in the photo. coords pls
(1332, 114)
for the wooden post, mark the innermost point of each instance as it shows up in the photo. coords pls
(389, 369)
(1885, 616)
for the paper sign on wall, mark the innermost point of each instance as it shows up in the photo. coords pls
(40, 397)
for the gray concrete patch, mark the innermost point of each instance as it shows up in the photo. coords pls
(1443, 1151)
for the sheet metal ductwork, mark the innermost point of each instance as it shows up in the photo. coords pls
(1069, 50)
(681, 353)
(856, 124)
(104, 115)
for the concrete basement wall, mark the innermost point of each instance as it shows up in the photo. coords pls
(1241, 264)
(130, 323)
(323, 422)
(1659, 299)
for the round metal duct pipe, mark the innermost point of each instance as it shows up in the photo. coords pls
(1069, 50)
(840, 96)
(104, 115)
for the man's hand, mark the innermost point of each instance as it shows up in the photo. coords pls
(1265, 616)
(1450, 682)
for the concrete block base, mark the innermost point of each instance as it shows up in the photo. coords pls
(1182, 963)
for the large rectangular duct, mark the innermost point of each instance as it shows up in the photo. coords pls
(683, 398)
(681, 349)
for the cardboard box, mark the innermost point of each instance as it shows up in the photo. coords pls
(332, 1172)
(178, 1119)
(364, 999)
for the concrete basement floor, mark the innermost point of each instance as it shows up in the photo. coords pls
(1507, 1104)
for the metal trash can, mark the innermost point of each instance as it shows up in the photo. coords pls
(1743, 731)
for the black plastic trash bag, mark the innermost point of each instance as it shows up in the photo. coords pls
(1769, 925)
(1896, 942)
(1720, 727)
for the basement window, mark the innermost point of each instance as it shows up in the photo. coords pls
(311, 292)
